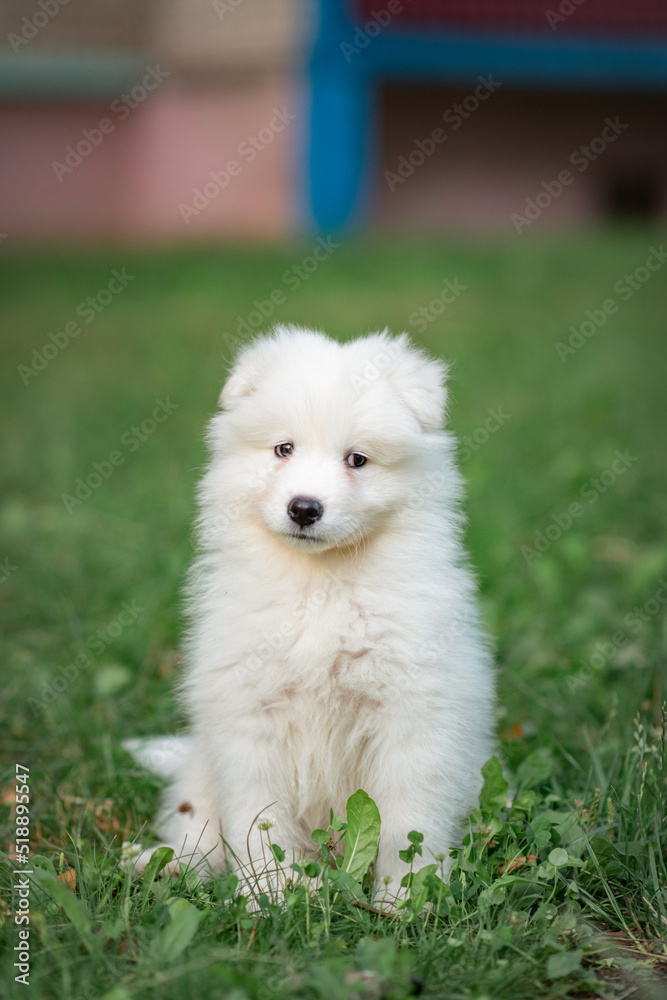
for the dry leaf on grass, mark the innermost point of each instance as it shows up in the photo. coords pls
(8, 795)
(69, 878)
(525, 859)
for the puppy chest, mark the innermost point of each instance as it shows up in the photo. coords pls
(326, 688)
(341, 645)
(334, 664)
(322, 740)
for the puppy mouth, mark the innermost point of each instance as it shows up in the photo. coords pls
(303, 537)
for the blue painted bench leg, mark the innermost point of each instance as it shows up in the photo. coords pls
(342, 126)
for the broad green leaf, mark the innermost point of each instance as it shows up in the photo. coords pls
(113, 927)
(225, 886)
(362, 834)
(563, 963)
(494, 895)
(558, 857)
(159, 859)
(535, 769)
(320, 837)
(175, 936)
(494, 791)
(419, 886)
(569, 831)
(278, 853)
(526, 802)
(415, 841)
(541, 822)
(466, 860)
(540, 828)
(346, 883)
(566, 921)
(111, 678)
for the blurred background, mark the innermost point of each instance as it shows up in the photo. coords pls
(121, 118)
(179, 175)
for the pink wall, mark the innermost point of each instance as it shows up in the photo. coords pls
(132, 183)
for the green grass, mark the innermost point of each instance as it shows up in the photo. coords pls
(579, 703)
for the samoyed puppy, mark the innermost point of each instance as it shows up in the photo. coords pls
(334, 639)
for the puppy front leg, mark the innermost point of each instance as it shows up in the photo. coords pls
(253, 819)
(410, 797)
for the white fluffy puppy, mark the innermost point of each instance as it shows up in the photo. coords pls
(334, 641)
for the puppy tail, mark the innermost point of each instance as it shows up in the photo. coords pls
(160, 754)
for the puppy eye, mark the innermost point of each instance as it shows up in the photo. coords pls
(355, 460)
(283, 450)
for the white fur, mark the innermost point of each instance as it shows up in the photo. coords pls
(355, 660)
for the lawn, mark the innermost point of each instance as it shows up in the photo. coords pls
(557, 395)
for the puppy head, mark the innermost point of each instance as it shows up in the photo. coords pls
(319, 441)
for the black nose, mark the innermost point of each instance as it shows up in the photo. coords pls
(305, 510)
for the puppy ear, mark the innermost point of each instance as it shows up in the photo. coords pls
(419, 381)
(245, 374)
(239, 383)
(253, 362)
